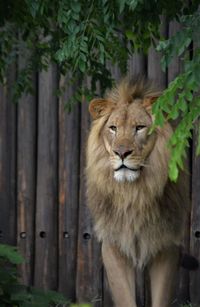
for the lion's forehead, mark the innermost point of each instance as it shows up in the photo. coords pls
(130, 115)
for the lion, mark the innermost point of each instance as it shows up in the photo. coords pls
(139, 214)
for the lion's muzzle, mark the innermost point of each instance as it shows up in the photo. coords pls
(124, 167)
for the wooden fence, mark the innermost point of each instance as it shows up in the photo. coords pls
(42, 187)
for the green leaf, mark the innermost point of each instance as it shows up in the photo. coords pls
(133, 4)
(76, 7)
(130, 35)
(56, 297)
(174, 114)
(189, 96)
(159, 119)
(11, 254)
(173, 171)
(121, 4)
(82, 65)
(182, 104)
(19, 293)
(48, 296)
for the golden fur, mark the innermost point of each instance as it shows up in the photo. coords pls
(145, 215)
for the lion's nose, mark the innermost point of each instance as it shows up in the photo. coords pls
(123, 153)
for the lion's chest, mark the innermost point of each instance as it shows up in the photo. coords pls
(139, 234)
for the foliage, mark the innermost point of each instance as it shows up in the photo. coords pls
(83, 37)
(12, 293)
(181, 99)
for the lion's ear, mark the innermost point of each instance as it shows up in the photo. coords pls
(99, 107)
(148, 102)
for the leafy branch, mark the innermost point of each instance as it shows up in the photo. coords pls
(82, 37)
(181, 99)
(12, 293)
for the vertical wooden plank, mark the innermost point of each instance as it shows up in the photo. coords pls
(182, 295)
(89, 265)
(195, 222)
(8, 161)
(175, 66)
(159, 78)
(47, 181)
(195, 212)
(154, 68)
(115, 72)
(69, 124)
(107, 298)
(26, 181)
(137, 64)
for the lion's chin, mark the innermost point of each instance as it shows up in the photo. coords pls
(123, 175)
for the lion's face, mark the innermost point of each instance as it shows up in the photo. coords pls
(126, 139)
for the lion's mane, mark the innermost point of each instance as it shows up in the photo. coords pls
(141, 217)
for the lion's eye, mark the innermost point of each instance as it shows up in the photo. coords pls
(113, 128)
(140, 127)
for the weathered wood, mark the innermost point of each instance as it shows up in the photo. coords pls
(8, 161)
(137, 64)
(89, 265)
(195, 222)
(176, 66)
(68, 192)
(26, 178)
(47, 183)
(159, 78)
(107, 298)
(154, 70)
